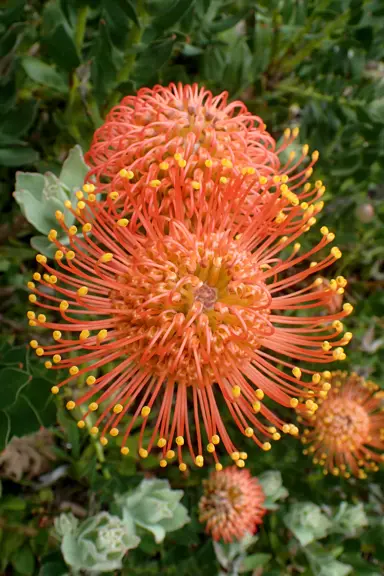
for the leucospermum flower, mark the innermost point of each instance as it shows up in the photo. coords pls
(232, 504)
(346, 435)
(171, 318)
(166, 138)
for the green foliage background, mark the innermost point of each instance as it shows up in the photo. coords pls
(317, 64)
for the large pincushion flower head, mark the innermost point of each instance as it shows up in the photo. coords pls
(232, 504)
(172, 320)
(165, 138)
(346, 435)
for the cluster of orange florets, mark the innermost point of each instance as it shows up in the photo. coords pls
(168, 304)
(346, 434)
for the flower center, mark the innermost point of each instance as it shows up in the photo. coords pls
(345, 419)
(207, 295)
(191, 310)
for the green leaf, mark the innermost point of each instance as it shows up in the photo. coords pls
(11, 543)
(59, 37)
(8, 41)
(16, 355)
(23, 561)
(118, 14)
(229, 22)
(12, 381)
(12, 12)
(5, 429)
(57, 568)
(150, 61)
(34, 211)
(44, 74)
(38, 394)
(168, 18)
(31, 181)
(74, 169)
(254, 561)
(8, 93)
(104, 64)
(72, 432)
(13, 503)
(376, 110)
(24, 418)
(18, 156)
(130, 10)
(18, 121)
(44, 246)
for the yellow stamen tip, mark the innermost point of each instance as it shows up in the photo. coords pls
(236, 391)
(296, 372)
(70, 405)
(199, 461)
(107, 257)
(161, 442)
(55, 389)
(124, 451)
(145, 411)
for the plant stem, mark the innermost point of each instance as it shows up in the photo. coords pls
(81, 22)
(310, 93)
(134, 37)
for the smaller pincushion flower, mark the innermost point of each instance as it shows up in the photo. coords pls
(232, 504)
(346, 434)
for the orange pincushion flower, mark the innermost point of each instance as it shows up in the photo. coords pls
(346, 435)
(190, 310)
(232, 504)
(149, 139)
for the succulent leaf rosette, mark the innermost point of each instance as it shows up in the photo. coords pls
(155, 507)
(97, 545)
(307, 522)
